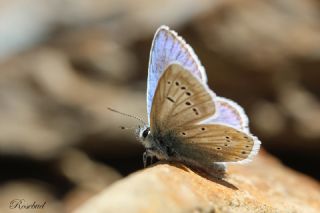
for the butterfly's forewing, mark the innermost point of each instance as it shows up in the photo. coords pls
(215, 143)
(180, 99)
(168, 47)
(229, 113)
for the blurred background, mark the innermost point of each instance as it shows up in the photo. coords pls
(62, 63)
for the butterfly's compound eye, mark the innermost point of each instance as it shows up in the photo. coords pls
(145, 132)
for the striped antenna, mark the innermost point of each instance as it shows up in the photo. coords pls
(130, 116)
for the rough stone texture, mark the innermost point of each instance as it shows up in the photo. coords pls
(264, 185)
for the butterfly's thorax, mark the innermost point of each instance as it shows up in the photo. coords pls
(162, 143)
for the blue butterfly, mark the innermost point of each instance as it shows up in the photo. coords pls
(187, 121)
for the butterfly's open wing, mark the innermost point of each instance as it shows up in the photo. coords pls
(208, 143)
(229, 113)
(180, 99)
(167, 47)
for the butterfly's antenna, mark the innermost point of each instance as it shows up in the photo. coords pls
(131, 116)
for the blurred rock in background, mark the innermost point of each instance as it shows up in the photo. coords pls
(62, 63)
(265, 54)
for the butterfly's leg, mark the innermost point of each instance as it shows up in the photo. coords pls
(151, 159)
(217, 170)
(145, 158)
(146, 155)
(219, 167)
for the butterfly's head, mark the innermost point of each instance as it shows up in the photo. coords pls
(143, 133)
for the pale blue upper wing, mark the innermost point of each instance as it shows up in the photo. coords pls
(167, 48)
(229, 113)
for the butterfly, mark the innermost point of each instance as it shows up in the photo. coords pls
(187, 121)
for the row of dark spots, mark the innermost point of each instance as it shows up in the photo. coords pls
(178, 84)
(202, 128)
(195, 111)
(247, 146)
(228, 140)
(188, 103)
(183, 87)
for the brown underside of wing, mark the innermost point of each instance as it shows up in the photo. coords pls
(213, 143)
(180, 99)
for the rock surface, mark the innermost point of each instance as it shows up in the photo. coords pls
(264, 185)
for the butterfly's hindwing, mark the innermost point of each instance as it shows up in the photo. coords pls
(230, 113)
(219, 143)
(180, 99)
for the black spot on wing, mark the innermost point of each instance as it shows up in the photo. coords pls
(170, 99)
(195, 110)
